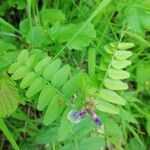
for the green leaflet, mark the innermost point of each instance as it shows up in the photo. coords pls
(124, 46)
(13, 67)
(33, 60)
(115, 84)
(9, 97)
(42, 64)
(121, 54)
(20, 73)
(111, 96)
(27, 80)
(54, 110)
(118, 74)
(106, 106)
(23, 57)
(65, 129)
(51, 69)
(36, 86)
(120, 64)
(72, 85)
(46, 96)
(61, 76)
(109, 49)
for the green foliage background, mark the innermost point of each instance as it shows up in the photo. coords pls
(55, 55)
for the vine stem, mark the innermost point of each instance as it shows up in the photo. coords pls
(100, 7)
(8, 134)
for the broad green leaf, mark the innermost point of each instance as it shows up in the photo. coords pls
(27, 80)
(23, 57)
(137, 17)
(84, 127)
(121, 54)
(24, 27)
(47, 136)
(106, 106)
(9, 96)
(51, 16)
(118, 74)
(61, 76)
(51, 69)
(6, 46)
(46, 96)
(36, 36)
(42, 64)
(13, 67)
(112, 129)
(54, 110)
(65, 33)
(90, 143)
(72, 85)
(65, 129)
(111, 96)
(124, 46)
(36, 86)
(8, 25)
(120, 64)
(115, 84)
(20, 73)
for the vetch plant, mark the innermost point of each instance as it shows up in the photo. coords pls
(74, 75)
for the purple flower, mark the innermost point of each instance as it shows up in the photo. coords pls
(83, 113)
(74, 116)
(95, 118)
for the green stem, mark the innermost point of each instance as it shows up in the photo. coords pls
(8, 134)
(29, 13)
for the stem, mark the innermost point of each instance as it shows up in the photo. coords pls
(29, 13)
(8, 134)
